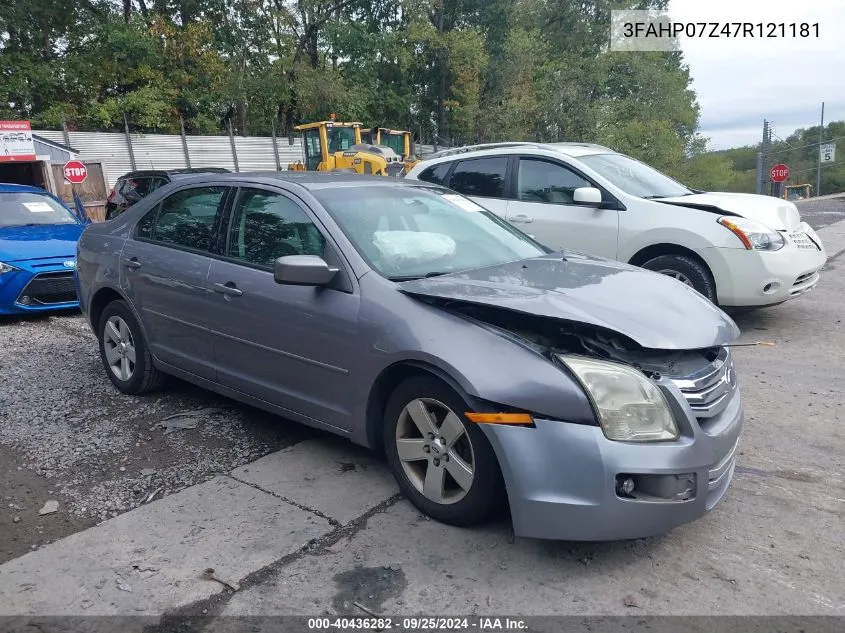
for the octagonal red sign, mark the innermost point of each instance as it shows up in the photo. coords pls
(779, 173)
(75, 172)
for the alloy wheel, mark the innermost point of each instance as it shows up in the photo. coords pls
(119, 347)
(435, 451)
(676, 275)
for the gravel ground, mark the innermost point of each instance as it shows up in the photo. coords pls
(66, 434)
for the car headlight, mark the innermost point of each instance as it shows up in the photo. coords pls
(630, 407)
(6, 268)
(753, 235)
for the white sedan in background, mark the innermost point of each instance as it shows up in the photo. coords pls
(739, 250)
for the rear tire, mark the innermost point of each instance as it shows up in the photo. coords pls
(685, 269)
(124, 351)
(448, 469)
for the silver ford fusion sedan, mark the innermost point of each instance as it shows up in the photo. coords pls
(597, 399)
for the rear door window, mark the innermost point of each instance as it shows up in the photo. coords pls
(436, 174)
(185, 218)
(480, 177)
(136, 189)
(155, 183)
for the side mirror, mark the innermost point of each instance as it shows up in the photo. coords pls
(303, 270)
(587, 197)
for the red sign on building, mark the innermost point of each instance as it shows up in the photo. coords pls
(16, 141)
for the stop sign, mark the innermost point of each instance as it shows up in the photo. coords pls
(779, 172)
(75, 172)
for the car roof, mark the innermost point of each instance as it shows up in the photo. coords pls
(15, 188)
(491, 149)
(174, 173)
(311, 180)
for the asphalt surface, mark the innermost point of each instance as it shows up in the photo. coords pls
(315, 526)
(824, 212)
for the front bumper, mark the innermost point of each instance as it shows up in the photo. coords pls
(760, 278)
(561, 478)
(39, 286)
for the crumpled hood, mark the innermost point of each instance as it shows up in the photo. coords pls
(777, 214)
(654, 310)
(19, 243)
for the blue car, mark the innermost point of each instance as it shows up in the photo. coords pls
(38, 236)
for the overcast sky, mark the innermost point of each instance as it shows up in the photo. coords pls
(742, 81)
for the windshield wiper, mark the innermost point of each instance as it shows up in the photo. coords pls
(415, 277)
(680, 195)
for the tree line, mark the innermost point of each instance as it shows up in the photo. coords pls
(451, 71)
(736, 168)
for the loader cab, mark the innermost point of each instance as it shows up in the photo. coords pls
(323, 139)
(400, 141)
(396, 141)
(312, 146)
(342, 137)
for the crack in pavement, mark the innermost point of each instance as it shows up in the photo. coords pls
(333, 522)
(197, 616)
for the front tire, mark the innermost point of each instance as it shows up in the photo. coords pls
(443, 463)
(687, 270)
(124, 351)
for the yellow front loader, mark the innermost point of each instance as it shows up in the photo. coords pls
(400, 141)
(334, 146)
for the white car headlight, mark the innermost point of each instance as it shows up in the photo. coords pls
(753, 235)
(629, 406)
(6, 268)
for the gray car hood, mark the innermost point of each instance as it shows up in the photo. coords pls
(654, 310)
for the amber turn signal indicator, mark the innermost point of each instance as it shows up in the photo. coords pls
(500, 418)
(738, 232)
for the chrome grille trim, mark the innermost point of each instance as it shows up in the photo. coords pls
(721, 470)
(708, 394)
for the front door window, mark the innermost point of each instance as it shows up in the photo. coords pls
(267, 225)
(543, 181)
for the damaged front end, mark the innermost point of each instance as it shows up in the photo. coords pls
(705, 376)
(670, 425)
(639, 431)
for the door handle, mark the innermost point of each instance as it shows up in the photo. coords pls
(522, 218)
(229, 289)
(133, 263)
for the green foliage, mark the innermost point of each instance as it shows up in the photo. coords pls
(454, 71)
(800, 151)
(709, 172)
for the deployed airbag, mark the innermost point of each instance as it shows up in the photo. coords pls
(400, 248)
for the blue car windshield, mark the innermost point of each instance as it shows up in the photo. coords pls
(411, 232)
(32, 209)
